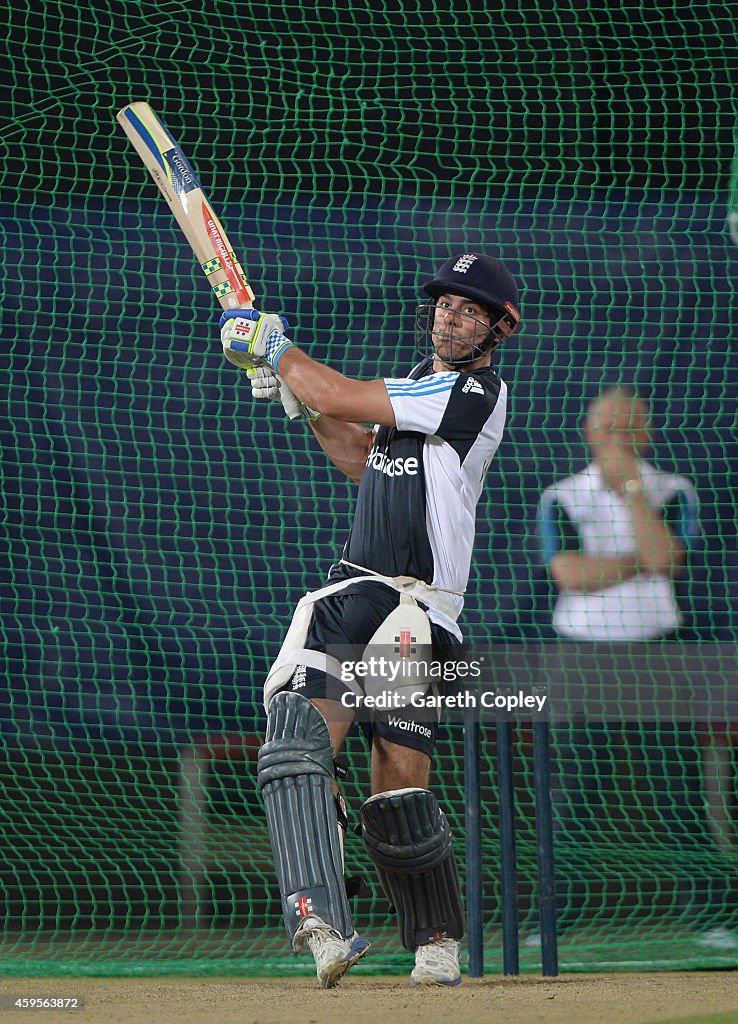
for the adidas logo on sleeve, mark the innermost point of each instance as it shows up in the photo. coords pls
(473, 386)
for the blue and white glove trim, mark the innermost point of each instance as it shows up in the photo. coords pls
(250, 337)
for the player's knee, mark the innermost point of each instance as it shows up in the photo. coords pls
(398, 767)
(297, 741)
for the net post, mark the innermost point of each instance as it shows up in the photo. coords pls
(544, 841)
(732, 212)
(192, 802)
(508, 860)
(473, 840)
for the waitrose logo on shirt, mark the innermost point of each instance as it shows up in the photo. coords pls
(380, 461)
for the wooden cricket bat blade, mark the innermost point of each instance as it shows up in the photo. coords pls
(178, 183)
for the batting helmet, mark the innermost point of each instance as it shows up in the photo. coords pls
(484, 280)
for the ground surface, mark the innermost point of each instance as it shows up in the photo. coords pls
(571, 999)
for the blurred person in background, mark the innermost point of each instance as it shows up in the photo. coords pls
(615, 539)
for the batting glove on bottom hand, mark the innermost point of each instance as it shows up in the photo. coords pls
(266, 384)
(250, 337)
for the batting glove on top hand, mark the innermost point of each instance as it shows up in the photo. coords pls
(250, 337)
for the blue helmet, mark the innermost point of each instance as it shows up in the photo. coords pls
(484, 280)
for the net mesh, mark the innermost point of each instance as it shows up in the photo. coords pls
(156, 529)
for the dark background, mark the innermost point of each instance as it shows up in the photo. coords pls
(156, 529)
(366, 96)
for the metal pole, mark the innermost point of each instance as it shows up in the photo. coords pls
(473, 821)
(545, 846)
(508, 862)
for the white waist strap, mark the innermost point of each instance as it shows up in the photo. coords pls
(434, 597)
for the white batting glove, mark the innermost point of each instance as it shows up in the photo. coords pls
(266, 384)
(250, 337)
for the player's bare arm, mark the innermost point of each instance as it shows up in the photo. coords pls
(331, 393)
(347, 445)
(250, 338)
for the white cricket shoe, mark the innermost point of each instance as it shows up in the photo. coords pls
(332, 953)
(437, 963)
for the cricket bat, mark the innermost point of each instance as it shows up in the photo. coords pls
(178, 183)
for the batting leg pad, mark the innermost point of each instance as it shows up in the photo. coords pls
(295, 773)
(408, 838)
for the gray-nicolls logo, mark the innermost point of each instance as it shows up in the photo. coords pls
(464, 262)
(303, 906)
(405, 643)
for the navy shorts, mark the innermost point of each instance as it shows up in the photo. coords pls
(348, 620)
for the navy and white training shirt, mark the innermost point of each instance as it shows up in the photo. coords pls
(416, 503)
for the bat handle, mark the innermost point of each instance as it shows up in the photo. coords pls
(235, 302)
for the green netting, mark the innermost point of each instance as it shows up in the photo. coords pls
(156, 530)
